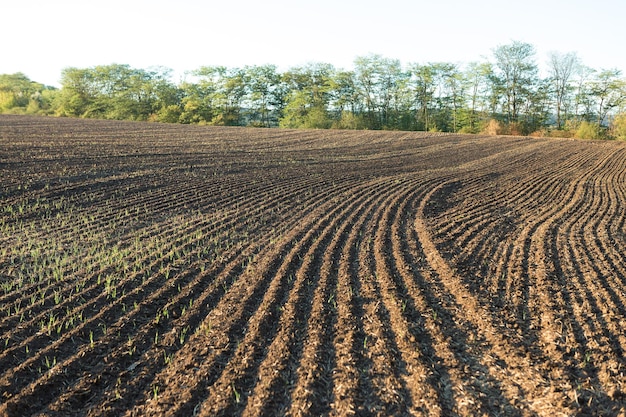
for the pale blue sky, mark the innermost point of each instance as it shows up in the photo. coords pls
(40, 37)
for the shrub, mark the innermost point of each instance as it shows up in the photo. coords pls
(468, 130)
(493, 128)
(587, 130)
(618, 126)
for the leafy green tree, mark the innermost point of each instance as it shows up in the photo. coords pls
(311, 90)
(476, 78)
(438, 92)
(584, 106)
(562, 68)
(609, 91)
(265, 97)
(536, 109)
(78, 92)
(195, 103)
(345, 95)
(233, 93)
(379, 82)
(166, 106)
(448, 96)
(515, 76)
(18, 94)
(377, 94)
(219, 96)
(115, 92)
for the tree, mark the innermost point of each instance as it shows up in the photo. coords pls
(265, 95)
(448, 96)
(537, 109)
(609, 92)
(515, 76)
(346, 103)
(18, 94)
(561, 68)
(115, 92)
(220, 95)
(437, 93)
(311, 89)
(78, 92)
(476, 79)
(233, 92)
(167, 97)
(583, 101)
(122, 93)
(379, 82)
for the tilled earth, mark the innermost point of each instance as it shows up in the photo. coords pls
(166, 270)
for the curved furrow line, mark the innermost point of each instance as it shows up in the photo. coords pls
(27, 291)
(578, 286)
(439, 369)
(157, 198)
(474, 248)
(320, 262)
(160, 202)
(355, 353)
(67, 291)
(600, 308)
(383, 376)
(84, 306)
(351, 346)
(590, 255)
(410, 366)
(604, 242)
(471, 394)
(475, 208)
(93, 292)
(474, 379)
(68, 288)
(175, 242)
(158, 295)
(512, 365)
(313, 377)
(153, 354)
(278, 371)
(156, 343)
(228, 323)
(110, 317)
(514, 278)
(350, 340)
(550, 298)
(542, 183)
(459, 363)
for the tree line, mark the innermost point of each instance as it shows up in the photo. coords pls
(503, 95)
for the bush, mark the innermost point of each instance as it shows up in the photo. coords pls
(167, 114)
(468, 130)
(587, 130)
(515, 129)
(349, 120)
(618, 127)
(492, 128)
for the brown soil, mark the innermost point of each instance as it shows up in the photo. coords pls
(166, 270)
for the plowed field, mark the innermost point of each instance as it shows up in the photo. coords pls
(150, 269)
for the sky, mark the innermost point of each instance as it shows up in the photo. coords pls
(41, 37)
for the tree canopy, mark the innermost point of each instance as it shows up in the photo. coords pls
(506, 94)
